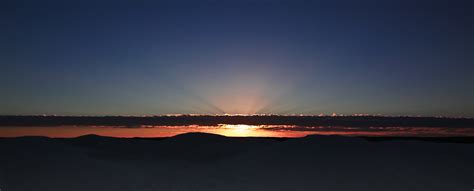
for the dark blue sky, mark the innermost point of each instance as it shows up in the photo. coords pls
(157, 57)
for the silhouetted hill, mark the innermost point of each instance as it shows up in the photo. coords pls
(197, 136)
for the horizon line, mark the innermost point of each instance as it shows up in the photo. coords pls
(242, 115)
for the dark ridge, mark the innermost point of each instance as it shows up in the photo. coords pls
(197, 136)
(336, 138)
(90, 136)
(230, 138)
(348, 121)
(94, 137)
(465, 140)
(214, 137)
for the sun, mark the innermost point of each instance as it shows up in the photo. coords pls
(239, 130)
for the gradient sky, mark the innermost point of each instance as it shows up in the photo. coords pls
(237, 56)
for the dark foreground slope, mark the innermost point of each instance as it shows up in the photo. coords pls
(211, 162)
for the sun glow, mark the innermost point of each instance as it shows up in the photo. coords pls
(231, 130)
(240, 130)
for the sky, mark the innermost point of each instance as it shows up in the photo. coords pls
(144, 57)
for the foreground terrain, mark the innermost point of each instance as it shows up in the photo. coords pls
(198, 161)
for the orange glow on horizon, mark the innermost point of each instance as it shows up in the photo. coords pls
(230, 130)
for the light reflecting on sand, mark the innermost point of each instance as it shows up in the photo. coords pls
(238, 130)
